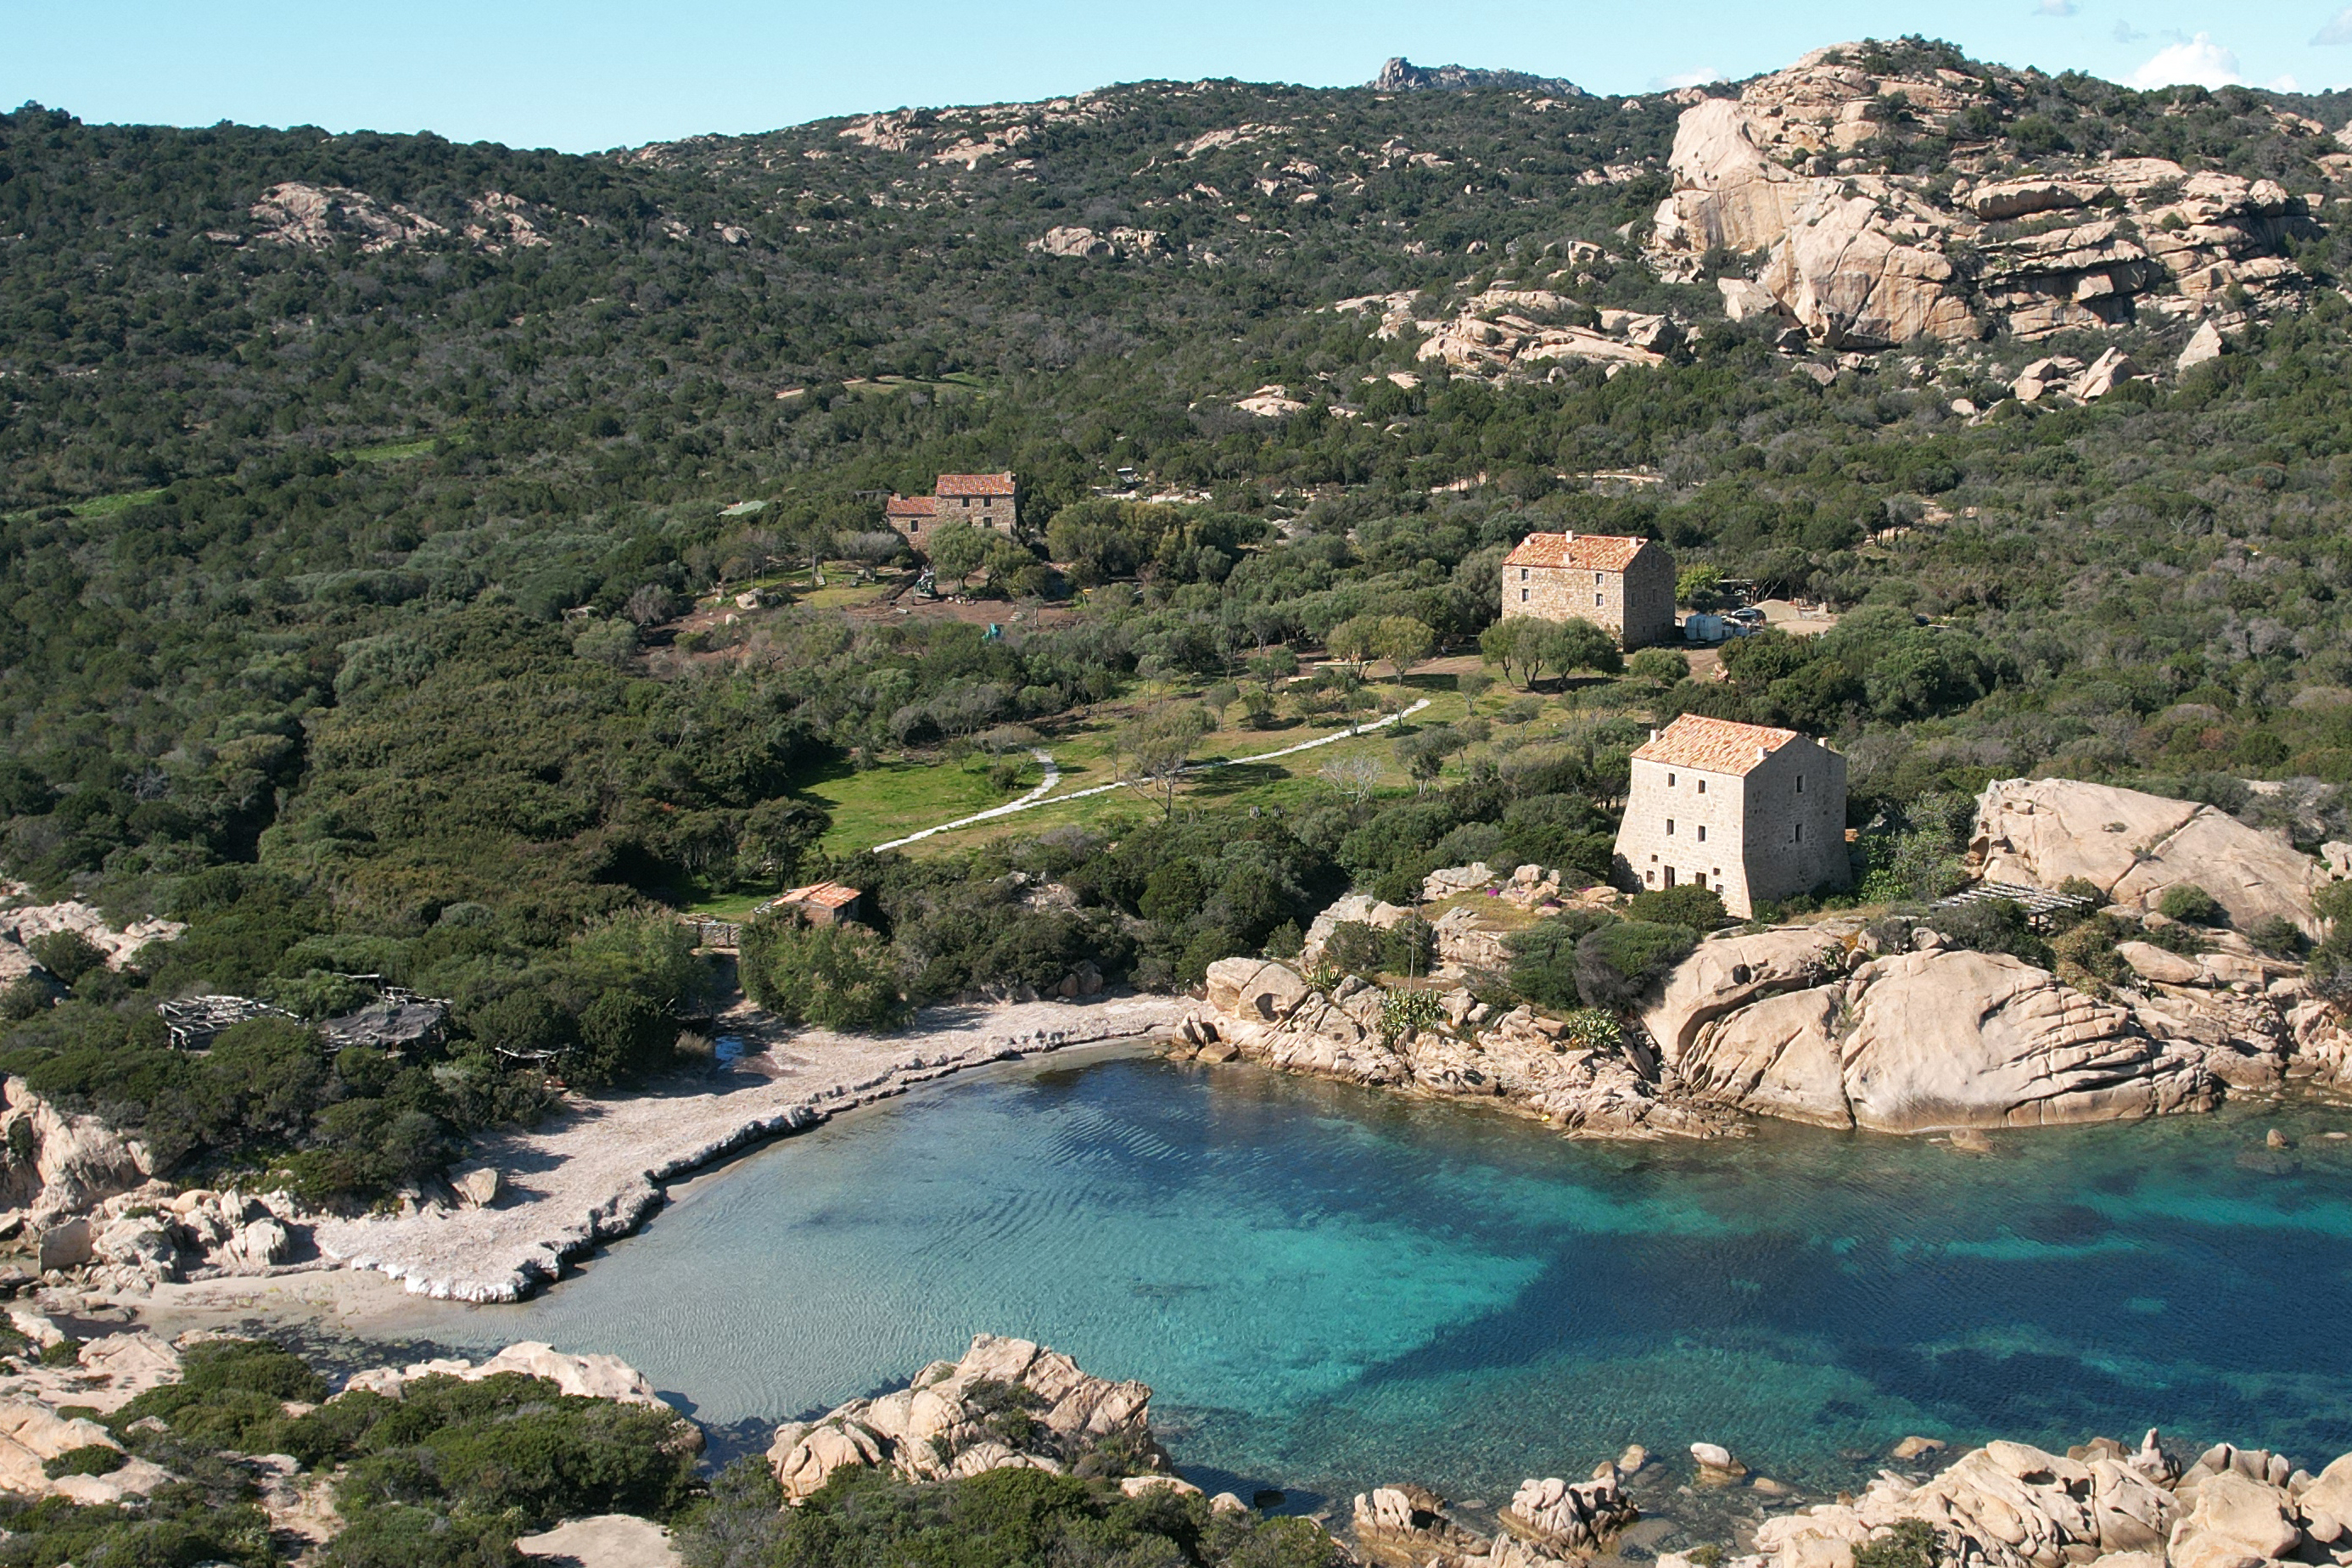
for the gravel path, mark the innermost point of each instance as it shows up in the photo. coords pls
(596, 1170)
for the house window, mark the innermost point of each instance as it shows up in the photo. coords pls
(1701, 786)
(1670, 876)
(1523, 595)
(1699, 878)
(1596, 601)
(1523, 574)
(1702, 833)
(1596, 579)
(1670, 828)
(1651, 877)
(1798, 835)
(1800, 784)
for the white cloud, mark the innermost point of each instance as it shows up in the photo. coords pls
(2200, 60)
(1698, 77)
(2127, 33)
(2055, 9)
(2283, 82)
(2338, 31)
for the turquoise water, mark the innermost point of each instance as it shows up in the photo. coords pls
(1330, 1287)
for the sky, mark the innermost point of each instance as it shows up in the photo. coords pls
(593, 74)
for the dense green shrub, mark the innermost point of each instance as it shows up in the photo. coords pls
(2189, 902)
(1701, 908)
(1617, 964)
(834, 976)
(68, 955)
(1543, 958)
(90, 1460)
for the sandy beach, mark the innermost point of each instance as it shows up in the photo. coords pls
(597, 1170)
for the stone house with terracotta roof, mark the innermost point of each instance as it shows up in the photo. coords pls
(984, 500)
(1625, 587)
(1755, 813)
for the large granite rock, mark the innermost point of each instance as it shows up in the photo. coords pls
(1944, 1039)
(1008, 1403)
(1514, 1056)
(76, 1160)
(2133, 847)
(1549, 1524)
(2006, 1505)
(589, 1376)
(1864, 259)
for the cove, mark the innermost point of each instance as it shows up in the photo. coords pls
(1330, 1287)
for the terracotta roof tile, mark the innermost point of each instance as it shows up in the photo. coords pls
(974, 484)
(1580, 552)
(1713, 745)
(823, 895)
(909, 506)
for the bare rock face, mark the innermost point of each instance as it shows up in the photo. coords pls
(1084, 244)
(1354, 909)
(76, 1160)
(1408, 1527)
(1863, 259)
(2005, 1504)
(1268, 1014)
(1007, 1404)
(1570, 1520)
(1973, 1039)
(589, 1376)
(2133, 847)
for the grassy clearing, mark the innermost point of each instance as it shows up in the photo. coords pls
(396, 452)
(889, 802)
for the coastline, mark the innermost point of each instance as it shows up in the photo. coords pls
(597, 1170)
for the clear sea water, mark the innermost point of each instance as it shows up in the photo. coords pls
(1330, 1287)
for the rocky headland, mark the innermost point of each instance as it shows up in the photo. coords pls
(1863, 1020)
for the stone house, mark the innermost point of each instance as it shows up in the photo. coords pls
(820, 903)
(1625, 587)
(1755, 813)
(984, 500)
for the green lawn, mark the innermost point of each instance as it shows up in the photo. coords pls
(886, 803)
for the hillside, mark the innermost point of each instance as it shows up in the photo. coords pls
(365, 501)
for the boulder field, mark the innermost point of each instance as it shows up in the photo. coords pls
(1850, 1022)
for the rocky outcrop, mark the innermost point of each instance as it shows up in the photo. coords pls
(1008, 1403)
(1549, 1522)
(1863, 259)
(54, 1165)
(2006, 1505)
(27, 923)
(1401, 75)
(2010, 1505)
(1086, 245)
(312, 217)
(588, 1376)
(1268, 1012)
(2042, 833)
(1354, 909)
(1807, 1026)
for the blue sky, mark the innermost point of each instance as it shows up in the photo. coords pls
(597, 74)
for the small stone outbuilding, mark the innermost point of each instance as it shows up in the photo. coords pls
(1625, 587)
(1757, 813)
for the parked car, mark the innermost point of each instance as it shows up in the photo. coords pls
(1747, 615)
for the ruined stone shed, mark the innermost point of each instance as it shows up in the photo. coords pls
(1758, 813)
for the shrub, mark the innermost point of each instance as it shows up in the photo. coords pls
(1543, 957)
(1616, 965)
(65, 1352)
(1994, 925)
(1666, 664)
(90, 1460)
(1590, 1029)
(2189, 902)
(2278, 936)
(1701, 908)
(1403, 1012)
(1910, 1544)
(837, 977)
(1405, 948)
(68, 955)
